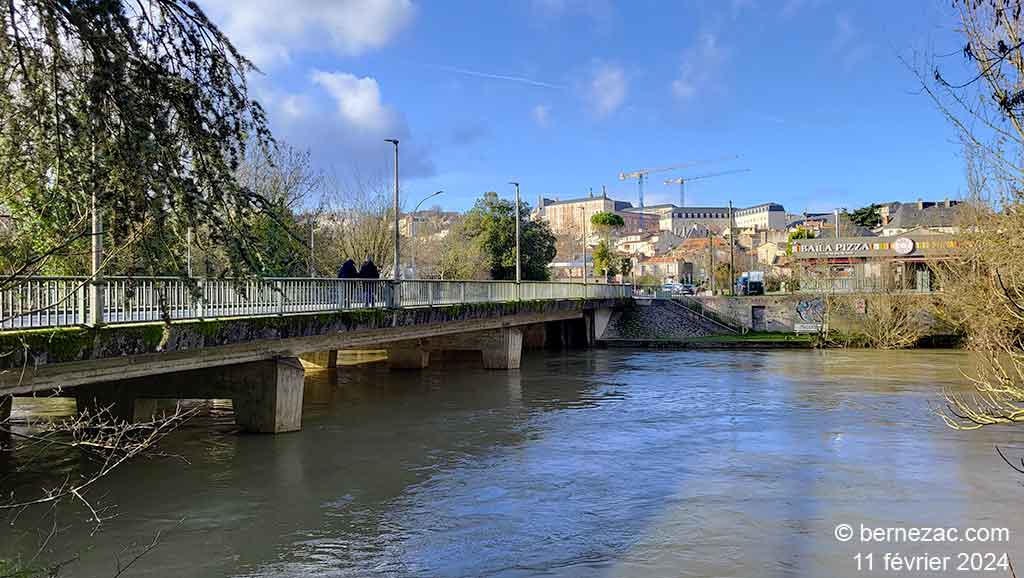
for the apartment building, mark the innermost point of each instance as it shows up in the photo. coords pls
(763, 217)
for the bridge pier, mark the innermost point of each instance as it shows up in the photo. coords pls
(119, 403)
(499, 348)
(5, 407)
(326, 359)
(268, 396)
(408, 355)
(503, 349)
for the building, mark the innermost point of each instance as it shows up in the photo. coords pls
(901, 262)
(665, 269)
(816, 222)
(763, 217)
(428, 223)
(899, 218)
(770, 254)
(648, 244)
(681, 220)
(571, 216)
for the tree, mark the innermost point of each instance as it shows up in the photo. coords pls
(357, 222)
(868, 217)
(799, 233)
(605, 262)
(143, 105)
(723, 278)
(491, 225)
(984, 288)
(606, 223)
(625, 265)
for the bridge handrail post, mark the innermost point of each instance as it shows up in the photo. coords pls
(82, 314)
(462, 292)
(201, 286)
(280, 296)
(394, 300)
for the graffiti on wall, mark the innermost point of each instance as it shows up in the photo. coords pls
(810, 314)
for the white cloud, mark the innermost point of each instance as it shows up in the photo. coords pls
(294, 105)
(607, 88)
(343, 120)
(357, 99)
(269, 31)
(701, 67)
(541, 115)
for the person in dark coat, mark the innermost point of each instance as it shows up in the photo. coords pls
(346, 290)
(348, 270)
(367, 272)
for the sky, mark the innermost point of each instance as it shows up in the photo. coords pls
(563, 95)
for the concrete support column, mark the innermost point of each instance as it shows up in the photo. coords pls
(504, 350)
(535, 336)
(601, 319)
(6, 401)
(268, 396)
(408, 356)
(327, 359)
(119, 404)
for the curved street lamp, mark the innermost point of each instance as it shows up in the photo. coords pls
(412, 227)
(394, 272)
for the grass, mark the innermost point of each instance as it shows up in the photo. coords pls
(759, 336)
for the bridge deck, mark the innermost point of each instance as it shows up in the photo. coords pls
(50, 302)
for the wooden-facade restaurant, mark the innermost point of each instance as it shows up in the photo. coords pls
(901, 262)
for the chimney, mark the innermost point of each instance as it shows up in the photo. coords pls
(604, 193)
(591, 192)
(540, 201)
(946, 202)
(920, 203)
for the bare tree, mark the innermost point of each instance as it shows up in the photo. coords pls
(356, 222)
(107, 442)
(984, 289)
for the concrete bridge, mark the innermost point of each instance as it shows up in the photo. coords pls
(123, 343)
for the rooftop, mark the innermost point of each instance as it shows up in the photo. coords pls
(924, 214)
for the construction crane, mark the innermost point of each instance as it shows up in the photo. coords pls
(681, 181)
(641, 175)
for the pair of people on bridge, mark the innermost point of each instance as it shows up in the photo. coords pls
(368, 270)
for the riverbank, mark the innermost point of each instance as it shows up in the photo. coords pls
(772, 340)
(753, 340)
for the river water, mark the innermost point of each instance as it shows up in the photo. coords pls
(599, 463)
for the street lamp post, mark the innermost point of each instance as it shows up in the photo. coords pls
(412, 227)
(583, 227)
(312, 265)
(518, 263)
(394, 270)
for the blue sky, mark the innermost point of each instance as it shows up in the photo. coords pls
(562, 95)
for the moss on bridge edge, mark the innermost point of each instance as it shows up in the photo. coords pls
(42, 346)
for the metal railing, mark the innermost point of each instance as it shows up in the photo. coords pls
(859, 285)
(45, 302)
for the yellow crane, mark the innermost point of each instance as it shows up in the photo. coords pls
(641, 175)
(681, 181)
